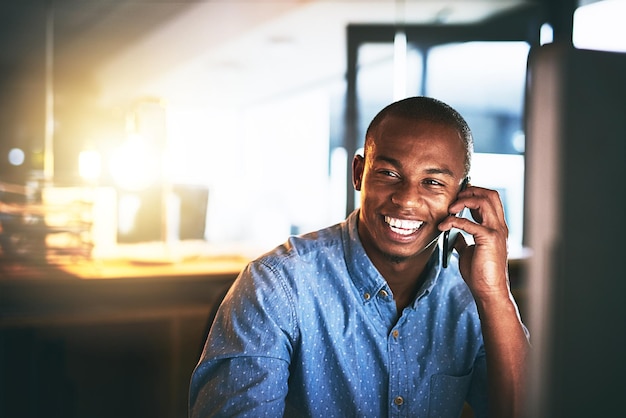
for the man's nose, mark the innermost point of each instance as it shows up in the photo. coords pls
(406, 195)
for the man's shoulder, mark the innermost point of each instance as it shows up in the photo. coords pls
(307, 247)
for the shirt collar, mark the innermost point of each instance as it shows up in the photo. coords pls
(364, 274)
(432, 272)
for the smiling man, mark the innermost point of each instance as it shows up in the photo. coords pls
(361, 319)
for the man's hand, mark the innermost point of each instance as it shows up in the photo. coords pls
(484, 267)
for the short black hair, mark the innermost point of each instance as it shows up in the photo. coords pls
(422, 108)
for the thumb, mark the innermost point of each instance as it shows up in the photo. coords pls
(460, 245)
(466, 253)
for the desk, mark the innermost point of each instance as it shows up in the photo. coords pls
(109, 338)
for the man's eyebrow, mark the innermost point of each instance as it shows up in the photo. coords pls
(389, 160)
(444, 171)
(433, 170)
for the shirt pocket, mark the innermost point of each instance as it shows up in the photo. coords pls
(447, 395)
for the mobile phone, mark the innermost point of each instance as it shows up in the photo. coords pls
(450, 236)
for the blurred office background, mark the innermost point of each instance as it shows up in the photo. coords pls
(243, 105)
(159, 132)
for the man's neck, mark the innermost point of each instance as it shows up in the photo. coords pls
(405, 277)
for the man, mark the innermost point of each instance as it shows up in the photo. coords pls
(361, 319)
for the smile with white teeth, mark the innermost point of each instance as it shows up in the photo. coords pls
(403, 226)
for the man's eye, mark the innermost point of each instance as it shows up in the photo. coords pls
(432, 182)
(388, 173)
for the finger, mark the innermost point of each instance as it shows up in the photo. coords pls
(464, 224)
(485, 205)
(477, 196)
(452, 221)
(460, 244)
(479, 233)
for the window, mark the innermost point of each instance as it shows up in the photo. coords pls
(483, 79)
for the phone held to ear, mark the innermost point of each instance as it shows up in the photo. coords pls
(450, 236)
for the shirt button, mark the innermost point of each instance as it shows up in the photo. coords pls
(367, 296)
(398, 400)
(383, 293)
(395, 333)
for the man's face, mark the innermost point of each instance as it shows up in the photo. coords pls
(408, 178)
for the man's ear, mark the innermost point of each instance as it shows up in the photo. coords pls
(358, 165)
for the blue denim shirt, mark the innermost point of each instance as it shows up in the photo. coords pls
(311, 329)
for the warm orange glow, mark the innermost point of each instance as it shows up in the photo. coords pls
(90, 165)
(135, 165)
